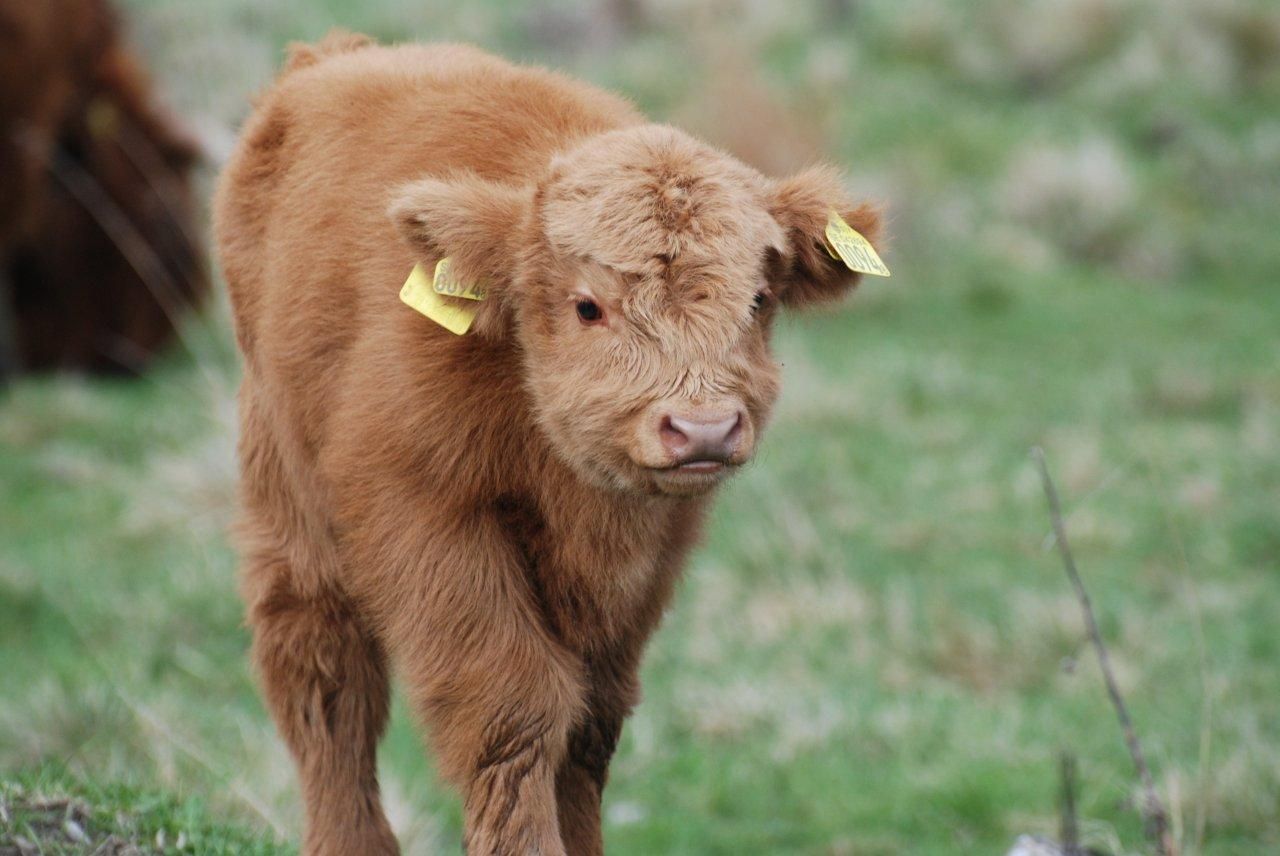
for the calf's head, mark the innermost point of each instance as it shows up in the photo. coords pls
(639, 277)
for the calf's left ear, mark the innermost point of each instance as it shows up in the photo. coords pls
(479, 224)
(802, 205)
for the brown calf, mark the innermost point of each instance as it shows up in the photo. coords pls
(98, 257)
(502, 514)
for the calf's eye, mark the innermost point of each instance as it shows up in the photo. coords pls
(589, 312)
(761, 300)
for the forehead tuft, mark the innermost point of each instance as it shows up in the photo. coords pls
(646, 198)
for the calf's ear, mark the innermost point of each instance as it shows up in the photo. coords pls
(802, 205)
(479, 224)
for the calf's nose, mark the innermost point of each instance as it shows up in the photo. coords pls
(702, 436)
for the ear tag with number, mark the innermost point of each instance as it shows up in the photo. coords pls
(450, 286)
(847, 244)
(444, 299)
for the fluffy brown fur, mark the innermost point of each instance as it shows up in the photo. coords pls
(97, 258)
(501, 515)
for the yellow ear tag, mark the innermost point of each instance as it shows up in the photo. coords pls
(428, 297)
(853, 249)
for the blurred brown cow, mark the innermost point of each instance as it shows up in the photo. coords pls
(97, 250)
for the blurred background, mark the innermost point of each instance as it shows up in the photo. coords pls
(876, 650)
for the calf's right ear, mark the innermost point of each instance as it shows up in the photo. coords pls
(479, 224)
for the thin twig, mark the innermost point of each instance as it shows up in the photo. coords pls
(1155, 817)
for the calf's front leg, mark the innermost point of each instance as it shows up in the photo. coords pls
(325, 680)
(613, 691)
(499, 695)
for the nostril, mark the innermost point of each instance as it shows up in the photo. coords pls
(735, 433)
(672, 437)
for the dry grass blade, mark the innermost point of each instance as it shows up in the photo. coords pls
(1070, 827)
(133, 246)
(145, 157)
(1205, 786)
(1155, 817)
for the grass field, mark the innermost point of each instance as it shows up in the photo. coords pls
(876, 651)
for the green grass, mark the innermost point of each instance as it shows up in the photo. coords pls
(876, 651)
(63, 814)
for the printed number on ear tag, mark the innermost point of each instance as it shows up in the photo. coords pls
(423, 295)
(850, 247)
(449, 285)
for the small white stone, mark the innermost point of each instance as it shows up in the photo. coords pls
(74, 831)
(1034, 845)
